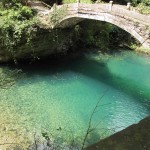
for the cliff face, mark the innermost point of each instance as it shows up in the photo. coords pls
(88, 33)
(134, 137)
(45, 43)
(56, 41)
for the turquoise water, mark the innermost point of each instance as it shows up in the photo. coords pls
(60, 98)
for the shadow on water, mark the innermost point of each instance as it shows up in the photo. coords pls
(97, 70)
(101, 73)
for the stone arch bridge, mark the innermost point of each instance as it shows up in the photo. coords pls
(136, 24)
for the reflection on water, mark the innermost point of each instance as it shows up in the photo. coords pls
(60, 99)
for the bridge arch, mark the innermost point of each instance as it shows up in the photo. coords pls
(135, 24)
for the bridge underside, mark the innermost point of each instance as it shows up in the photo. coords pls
(137, 30)
(70, 22)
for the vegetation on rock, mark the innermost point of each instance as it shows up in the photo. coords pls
(58, 14)
(18, 24)
(20, 37)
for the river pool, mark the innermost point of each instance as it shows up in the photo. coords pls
(58, 99)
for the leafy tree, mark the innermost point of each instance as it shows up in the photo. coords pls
(119, 37)
(144, 7)
(94, 33)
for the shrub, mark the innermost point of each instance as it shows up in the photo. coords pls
(143, 9)
(18, 24)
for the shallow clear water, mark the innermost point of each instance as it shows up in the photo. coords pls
(59, 99)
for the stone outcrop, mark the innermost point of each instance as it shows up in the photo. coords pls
(134, 137)
(44, 44)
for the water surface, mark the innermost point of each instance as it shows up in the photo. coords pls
(60, 98)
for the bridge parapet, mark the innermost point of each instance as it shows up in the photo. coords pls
(132, 14)
(116, 9)
(105, 8)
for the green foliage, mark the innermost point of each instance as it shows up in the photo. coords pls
(18, 25)
(144, 7)
(10, 3)
(146, 2)
(19, 13)
(75, 1)
(58, 14)
(102, 35)
(94, 33)
(120, 38)
(69, 1)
